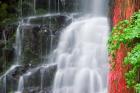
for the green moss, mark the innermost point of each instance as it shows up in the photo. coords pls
(30, 57)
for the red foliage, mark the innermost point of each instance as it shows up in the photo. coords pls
(116, 18)
(117, 82)
(129, 12)
(123, 9)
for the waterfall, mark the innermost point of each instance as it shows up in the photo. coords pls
(17, 58)
(79, 62)
(81, 55)
(18, 44)
(58, 6)
(21, 82)
(21, 85)
(4, 37)
(34, 6)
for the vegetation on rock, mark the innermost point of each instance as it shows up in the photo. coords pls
(8, 21)
(127, 32)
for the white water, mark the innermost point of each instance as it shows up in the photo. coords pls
(58, 6)
(21, 82)
(17, 58)
(34, 6)
(21, 85)
(4, 77)
(23, 78)
(4, 37)
(18, 45)
(42, 71)
(81, 55)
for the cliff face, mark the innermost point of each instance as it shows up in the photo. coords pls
(122, 9)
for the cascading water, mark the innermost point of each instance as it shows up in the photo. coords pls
(82, 58)
(21, 85)
(21, 82)
(17, 58)
(18, 44)
(34, 6)
(81, 55)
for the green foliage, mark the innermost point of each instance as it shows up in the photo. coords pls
(124, 32)
(116, 37)
(133, 59)
(6, 16)
(128, 33)
(137, 88)
(3, 13)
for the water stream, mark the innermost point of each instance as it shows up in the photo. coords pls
(17, 58)
(79, 62)
(18, 44)
(81, 57)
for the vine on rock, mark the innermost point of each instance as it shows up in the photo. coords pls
(127, 32)
(133, 59)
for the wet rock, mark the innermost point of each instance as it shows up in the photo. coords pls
(41, 80)
(32, 82)
(2, 44)
(49, 6)
(9, 81)
(38, 90)
(8, 54)
(41, 36)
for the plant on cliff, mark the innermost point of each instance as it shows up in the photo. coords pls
(127, 32)
(133, 59)
(8, 13)
(8, 19)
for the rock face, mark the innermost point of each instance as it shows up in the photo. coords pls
(44, 79)
(9, 81)
(41, 29)
(37, 7)
(6, 46)
(41, 37)
(34, 83)
(121, 10)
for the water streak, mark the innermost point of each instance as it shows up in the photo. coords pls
(21, 85)
(34, 6)
(81, 55)
(18, 45)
